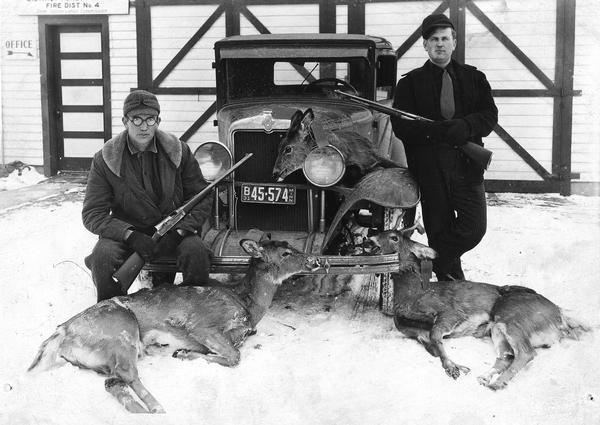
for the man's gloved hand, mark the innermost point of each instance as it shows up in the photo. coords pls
(168, 243)
(458, 132)
(142, 244)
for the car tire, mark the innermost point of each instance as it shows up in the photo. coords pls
(386, 284)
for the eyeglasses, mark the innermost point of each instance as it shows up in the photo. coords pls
(137, 121)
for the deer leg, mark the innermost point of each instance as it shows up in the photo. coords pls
(500, 365)
(126, 372)
(431, 348)
(144, 395)
(523, 354)
(418, 330)
(220, 350)
(520, 361)
(436, 349)
(442, 327)
(118, 389)
(505, 356)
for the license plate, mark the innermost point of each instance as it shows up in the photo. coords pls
(268, 194)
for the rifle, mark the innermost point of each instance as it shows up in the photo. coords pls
(126, 274)
(479, 154)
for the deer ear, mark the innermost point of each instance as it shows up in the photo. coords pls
(307, 118)
(251, 247)
(296, 120)
(333, 139)
(422, 252)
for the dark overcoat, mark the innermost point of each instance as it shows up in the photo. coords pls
(418, 93)
(115, 199)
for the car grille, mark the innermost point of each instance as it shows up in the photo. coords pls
(259, 169)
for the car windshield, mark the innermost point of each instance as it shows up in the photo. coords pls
(258, 77)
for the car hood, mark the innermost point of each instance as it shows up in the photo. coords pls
(269, 115)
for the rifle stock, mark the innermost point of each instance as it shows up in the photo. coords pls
(480, 155)
(129, 270)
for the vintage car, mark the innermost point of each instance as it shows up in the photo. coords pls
(262, 82)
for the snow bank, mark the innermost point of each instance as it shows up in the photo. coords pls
(26, 177)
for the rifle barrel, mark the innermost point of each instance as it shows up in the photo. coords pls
(382, 108)
(190, 204)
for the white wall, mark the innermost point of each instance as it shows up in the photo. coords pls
(531, 25)
(586, 108)
(21, 91)
(123, 63)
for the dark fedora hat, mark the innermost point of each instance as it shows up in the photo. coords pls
(431, 22)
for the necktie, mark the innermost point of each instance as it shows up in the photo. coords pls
(447, 96)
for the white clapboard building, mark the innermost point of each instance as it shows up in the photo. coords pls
(66, 67)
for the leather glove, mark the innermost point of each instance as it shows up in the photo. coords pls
(168, 243)
(142, 244)
(458, 132)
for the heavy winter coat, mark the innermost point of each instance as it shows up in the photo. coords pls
(418, 93)
(115, 199)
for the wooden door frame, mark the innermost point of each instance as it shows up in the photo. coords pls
(47, 24)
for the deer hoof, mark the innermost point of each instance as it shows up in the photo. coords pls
(453, 372)
(484, 380)
(158, 409)
(497, 385)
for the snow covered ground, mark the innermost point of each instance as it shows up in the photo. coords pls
(313, 361)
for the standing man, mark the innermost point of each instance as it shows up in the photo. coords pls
(459, 100)
(136, 180)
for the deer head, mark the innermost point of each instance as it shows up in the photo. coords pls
(295, 145)
(280, 259)
(398, 241)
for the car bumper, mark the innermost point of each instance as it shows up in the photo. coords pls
(229, 258)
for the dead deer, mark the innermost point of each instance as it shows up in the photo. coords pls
(522, 322)
(299, 140)
(191, 322)
(518, 318)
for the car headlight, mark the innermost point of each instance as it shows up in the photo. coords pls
(214, 159)
(324, 166)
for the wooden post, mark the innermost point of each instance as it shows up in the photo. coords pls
(458, 18)
(356, 17)
(143, 26)
(327, 24)
(563, 103)
(232, 18)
